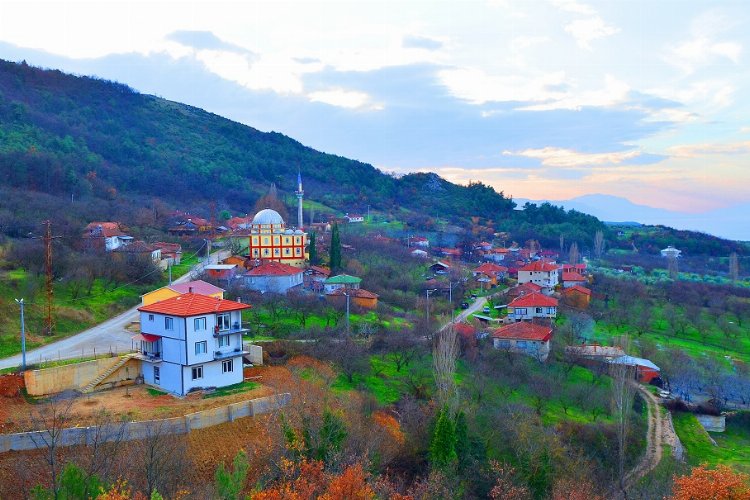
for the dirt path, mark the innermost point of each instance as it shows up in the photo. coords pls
(660, 432)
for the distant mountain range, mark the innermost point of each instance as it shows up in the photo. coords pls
(732, 223)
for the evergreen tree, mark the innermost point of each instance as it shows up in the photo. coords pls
(462, 437)
(229, 484)
(443, 443)
(312, 248)
(335, 253)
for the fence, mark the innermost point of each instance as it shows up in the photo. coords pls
(74, 436)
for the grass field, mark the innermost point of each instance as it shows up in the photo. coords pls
(732, 446)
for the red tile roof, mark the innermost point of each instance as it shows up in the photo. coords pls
(193, 304)
(489, 267)
(524, 288)
(534, 300)
(539, 266)
(523, 331)
(577, 288)
(136, 247)
(320, 270)
(572, 276)
(199, 286)
(109, 229)
(272, 268)
(465, 330)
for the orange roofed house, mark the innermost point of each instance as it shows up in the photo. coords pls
(531, 306)
(489, 273)
(577, 296)
(540, 273)
(359, 297)
(191, 342)
(273, 277)
(105, 236)
(524, 338)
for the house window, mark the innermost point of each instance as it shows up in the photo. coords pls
(286, 251)
(169, 323)
(222, 320)
(266, 252)
(550, 310)
(539, 310)
(197, 372)
(521, 344)
(157, 374)
(227, 366)
(201, 347)
(150, 317)
(297, 251)
(521, 311)
(504, 344)
(224, 341)
(199, 324)
(276, 252)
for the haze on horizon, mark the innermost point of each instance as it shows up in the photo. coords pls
(542, 99)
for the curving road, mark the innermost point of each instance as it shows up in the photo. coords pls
(110, 335)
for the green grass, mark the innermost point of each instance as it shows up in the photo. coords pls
(232, 389)
(155, 392)
(732, 446)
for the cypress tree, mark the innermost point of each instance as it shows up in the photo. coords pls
(335, 253)
(443, 443)
(312, 248)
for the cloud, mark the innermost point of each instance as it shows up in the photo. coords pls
(614, 92)
(349, 99)
(477, 87)
(585, 31)
(573, 6)
(700, 51)
(709, 149)
(567, 158)
(420, 42)
(205, 40)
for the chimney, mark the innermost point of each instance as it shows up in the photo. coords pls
(190, 289)
(239, 299)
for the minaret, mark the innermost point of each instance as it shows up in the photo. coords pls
(299, 194)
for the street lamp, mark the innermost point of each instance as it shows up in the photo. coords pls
(428, 292)
(23, 336)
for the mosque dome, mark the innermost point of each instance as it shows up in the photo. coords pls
(267, 216)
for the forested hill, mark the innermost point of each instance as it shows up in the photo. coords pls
(63, 134)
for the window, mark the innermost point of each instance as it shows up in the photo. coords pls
(550, 310)
(199, 324)
(539, 310)
(504, 344)
(201, 347)
(276, 252)
(157, 374)
(227, 366)
(197, 372)
(150, 317)
(521, 344)
(286, 251)
(224, 341)
(222, 320)
(169, 323)
(520, 311)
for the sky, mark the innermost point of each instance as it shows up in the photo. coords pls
(542, 99)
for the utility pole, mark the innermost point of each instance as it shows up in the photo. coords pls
(427, 292)
(23, 337)
(169, 269)
(346, 293)
(48, 320)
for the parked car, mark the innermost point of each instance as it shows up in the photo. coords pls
(464, 305)
(486, 310)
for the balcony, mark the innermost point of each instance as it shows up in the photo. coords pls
(235, 328)
(148, 355)
(218, 355)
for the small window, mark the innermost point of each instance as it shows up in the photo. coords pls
(223, 321)
(169, 323)
(201, 347)
(150, 317)
(224, 341)
(197, 372)
(539, 310)
(199, 324)
(227, 366)
(157, 374)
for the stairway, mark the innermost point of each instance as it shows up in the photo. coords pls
(106, 373)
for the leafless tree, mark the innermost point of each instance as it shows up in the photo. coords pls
(102, 452)
(50, 420)
(162, 458)
(672, 267)
(734, 267)
(573, 255)
(599, 244)
(623, 393)
(444, 352)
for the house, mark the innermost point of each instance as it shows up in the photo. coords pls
(548, 254)
(138, 250)
(275, 277)
(440, 267)
(645, 370)
(185, 224)
(484, 246)
(358, 296)
(577, 296)
(524, 289)
(350, 218)
(418, 241)
(171, 252)
(236, 223)
(105, 236)
(167, 292)
(239, 261)
(341, 281)
(191, 342)
(489, 273)
(222, 272)
(531, 306)
(419, 253)
(571, 278)
(526, 338)
(541, 273)
(315, 276)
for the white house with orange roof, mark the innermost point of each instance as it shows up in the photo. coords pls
(540, 273)
(273, 277)
(191, 342)
(531, 306)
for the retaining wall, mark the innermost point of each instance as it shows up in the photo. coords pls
(78, 375)
(73, 436)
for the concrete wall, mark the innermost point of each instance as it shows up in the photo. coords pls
(712, 423)
(255, 354)
(139, 430)
(78, 375)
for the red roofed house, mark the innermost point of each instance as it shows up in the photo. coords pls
(572, 278)
(358, 296)
(191, 342)
(489, 273)
(222, 272)
(524, 338)
(314, 277)
(171, 252)
(138, 250)
(105, 236)
(574, 268)
(542, 273)
(533, 305)
(524, 289)
(577, 296)
(272, 276)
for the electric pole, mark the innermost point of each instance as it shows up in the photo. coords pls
(48, 319)
(23, 337)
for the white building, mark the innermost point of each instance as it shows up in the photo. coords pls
(191, 342)
(524, 338)
(273, 277)
(531, 306)
(540, 273)
(106, 235)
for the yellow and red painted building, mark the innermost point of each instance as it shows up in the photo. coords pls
(270, 240)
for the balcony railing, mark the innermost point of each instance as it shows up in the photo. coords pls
(235, 328)
(229, 354)
(150, 355)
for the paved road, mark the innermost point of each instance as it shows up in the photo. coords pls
(110, 335)
(477, 305)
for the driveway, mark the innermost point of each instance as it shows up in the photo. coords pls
(110, 335)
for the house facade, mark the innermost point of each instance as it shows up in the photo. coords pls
(524, 338)
(540, 273)
(358, 296)
(572, 278)
(577, 296)
(341, 281)
(191, 342)
(273, 277)
(105, 236)
(490, 273)
(532, 306)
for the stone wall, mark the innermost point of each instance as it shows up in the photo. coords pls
(77, 375)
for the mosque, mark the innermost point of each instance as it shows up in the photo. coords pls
(270, 239)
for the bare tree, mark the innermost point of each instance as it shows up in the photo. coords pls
(599, 244)
(573, 255)
(50, 420)
(163, 459)
(672, 267)
(734, 267)
(562, 243)
(623, 393)
(444, 352)
(103, 448)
